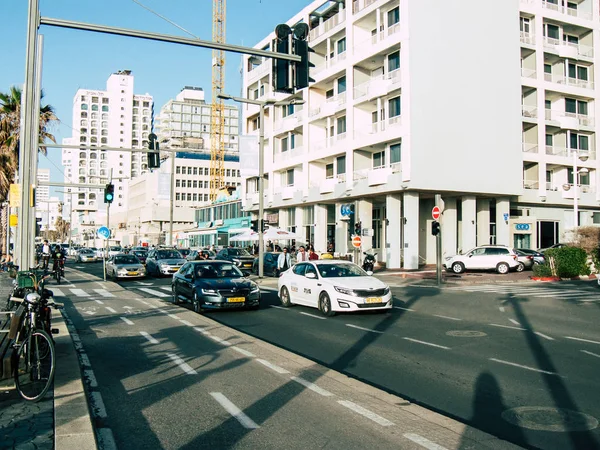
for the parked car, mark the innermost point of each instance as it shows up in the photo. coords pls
(114, 250)
(489, 257)
(124, 266)
(194, 255)
(141, 255)
(184, 251)
(557, 245)
(164, 262)
(269, 264)
(525, 261)
(86, 255)
(333, 286)
(538, 258)
(214, 285)
(239, 256)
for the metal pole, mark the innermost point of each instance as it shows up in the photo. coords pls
(261, 190)
(575, 191)
(35, 138)
(438, 243)
(105, 253)
(172, 199)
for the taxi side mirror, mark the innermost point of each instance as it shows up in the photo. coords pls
(311, 276)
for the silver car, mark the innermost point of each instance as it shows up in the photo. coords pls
(86, 255)
(124, 266)
(164, 261)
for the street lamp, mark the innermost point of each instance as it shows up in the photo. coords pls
(261, 162)
(583, 157)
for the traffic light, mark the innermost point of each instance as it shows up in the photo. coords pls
(254, 225)
(357, 228)
(263, 225)
(281, 67)
(154, 154)
(435, 228)
(300, 45)
(109, 193)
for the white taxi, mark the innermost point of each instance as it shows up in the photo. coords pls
(333, 286)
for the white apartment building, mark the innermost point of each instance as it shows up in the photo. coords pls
(42, 193)
(115, 117)
(414, 98)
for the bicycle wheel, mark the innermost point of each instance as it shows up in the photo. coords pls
(34, 366)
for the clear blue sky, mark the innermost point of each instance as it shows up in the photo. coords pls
(77, 59)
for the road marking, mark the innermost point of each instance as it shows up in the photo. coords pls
(57, 292)
(98, 408)
(182, 364)
(426, 343)
(272, 366)
(312, 315)
(220, 340)
(404, 309)
(200, 330)
(364, 329)
(533, 369)
(165, 288)
(106, 439)
(366, 413)
(280, 307)
(80, 293)
(515, 322)
(143, 284)
(128, 307)
(153, 292)
(429, 445)
(91, 378)
(506, 326)
(100, 302)
(243, 352)
(172, 316)
(582, 340)
(104, 293)
(544, 336)
(126, 320)
(236, 412)
(590, 353)
(313, 387)
(446, 317)
(149, 337)
(141, 300)
(502, 309)
(90, 313)
(185, 322)
(110, 309)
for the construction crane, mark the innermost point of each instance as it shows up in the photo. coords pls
(217, 122)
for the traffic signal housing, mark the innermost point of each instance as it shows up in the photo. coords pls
(281, 67)
(254, 225)
(357, 228)
(300, 46)
(109, 193)
(154, 153)
(435, 228)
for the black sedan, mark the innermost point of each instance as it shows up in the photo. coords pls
(214, 285)
(239, 256)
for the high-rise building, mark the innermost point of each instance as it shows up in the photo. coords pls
(115, 117)
(411, 100)
(42, 193)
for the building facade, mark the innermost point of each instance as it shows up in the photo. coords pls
(42, 193)
(415, 98)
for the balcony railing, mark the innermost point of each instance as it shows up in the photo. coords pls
(582, 50)
(568, 81)
(574, 12)
(531, 184)
(529, 111)
(292, 119)
(328, 25)
(364, 89)
(288, 154)
(527, 38)
(528, 73)
(359, 5)
(584, 120)
(328, 142)
(556, 151)
(529, 148)
(330, 62)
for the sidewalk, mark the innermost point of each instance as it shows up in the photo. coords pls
(61, 420)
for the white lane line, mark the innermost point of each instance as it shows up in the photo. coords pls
(272, 366)
(220, 340)
(506, 326)
(313, 387)
(426, 343)
(91, 378)
(236, 412)
(366, 413)
(166, 288)
(426, 443)
(110, 309)
(149, 337)
(515, 322)
(57, 292)
(200, 330)
(446, 317)
(533, 369)
(100, 302)
(185, 322)
(544, 335)
(501, 309)
(104, 293)
(364, 329)
(280, 307)
(590, 353)
(141, 300)
(312, 315)
(126, 320)
(80, 293)
(154, 306)
(403, 309)
(243, 352)
(98, 408)
(153, 292)
(173, 316)
(182, 364)
(582, 340)
(127, 307)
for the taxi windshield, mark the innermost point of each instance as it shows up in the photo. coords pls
(340, 270)
(169, 255)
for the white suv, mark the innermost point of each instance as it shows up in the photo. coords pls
(492, 257)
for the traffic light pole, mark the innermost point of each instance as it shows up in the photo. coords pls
(172, 199)
(105, 254)
(438, 244)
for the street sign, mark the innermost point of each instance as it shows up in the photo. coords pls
(356, 241)
(436, 212)
(346, 210)
(13, 220)
(103, 232)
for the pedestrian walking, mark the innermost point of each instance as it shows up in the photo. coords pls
(284, 261)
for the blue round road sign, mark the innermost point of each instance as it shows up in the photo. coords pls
(103, 232)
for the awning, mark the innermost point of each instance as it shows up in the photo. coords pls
(238, 230)
(202, 232)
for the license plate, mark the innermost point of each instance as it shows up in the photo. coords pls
(247, 265)
(132, 273)
(374, 300)
(236, 300)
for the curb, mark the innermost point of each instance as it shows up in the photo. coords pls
(73, 428)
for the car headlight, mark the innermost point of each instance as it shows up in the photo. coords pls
(448, 258)
(208, 291)
(386, 291)
(255, 289)
(345, 291)
(163, 264)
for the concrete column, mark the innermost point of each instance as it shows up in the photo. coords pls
(411, 230)
(283, 218)
(449, 227)
(341, 231)
(365, 215)
(502, 227)
(299, 212)
(483, 221)
(468, 236)
(320, 228)
(392, 250)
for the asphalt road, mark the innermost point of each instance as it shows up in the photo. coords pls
(518, 361)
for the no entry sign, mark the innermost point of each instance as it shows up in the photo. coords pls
(435, 212)
(356, 241)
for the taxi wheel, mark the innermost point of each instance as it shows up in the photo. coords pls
(285, 298)
(325, 305)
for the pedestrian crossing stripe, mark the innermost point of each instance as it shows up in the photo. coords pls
(104, 293)
(153, 292)
(57, 292)
(166, 288)
(519, 291)
(79, 292)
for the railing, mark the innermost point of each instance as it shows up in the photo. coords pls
(556, 151)
(528, 73)
(327, 25)
(582, 50)
(330, 62)
(574, 12)
(359, 5)
(281, 123)
(363, 174)
(569, 81)
(288, 154)
(362, 89)
(527, 38)
(584, 120)
(328, 142)
(531, 184)
(529, 111)
(529, 148)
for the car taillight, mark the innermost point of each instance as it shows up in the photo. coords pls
(530, 257)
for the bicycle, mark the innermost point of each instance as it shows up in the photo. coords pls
(33, 357)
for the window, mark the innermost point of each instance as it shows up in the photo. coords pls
(84, 107)
(549, 140)
(177, 183)
(341, 165)
(341, 85)
(378, 160)
(177, 196)
(284, 145)
(393, 61)
(189, 170)
(189, 197)
(551, 31)
(341, 46)
(341, 125)
(578, 72)
(146, 104)
(579, 141)
(525, 25)
(195, 183)
(329, 93)
(189, 183)
(195, 197)
(83, 114)
(178, 169)
(393, 16)
(395, 153)
(394, 107)
(289, 177)
(576, 106)
(329, 171)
